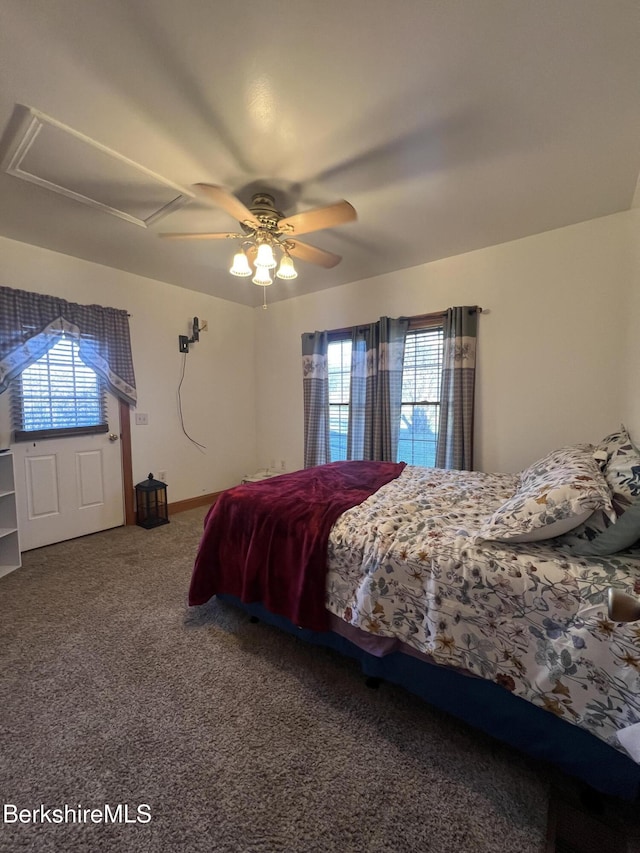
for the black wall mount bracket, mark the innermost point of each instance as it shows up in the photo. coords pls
(184, 341)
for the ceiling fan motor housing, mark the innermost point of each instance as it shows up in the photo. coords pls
(264, 209)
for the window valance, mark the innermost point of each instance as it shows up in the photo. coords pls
(31, 323)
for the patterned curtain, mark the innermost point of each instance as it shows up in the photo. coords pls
(315, 384)
(455, 434)
(30, 324)
(377, 353)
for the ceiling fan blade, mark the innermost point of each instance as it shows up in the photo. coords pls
(313, 255)
(318, 218)
(228, 202)
(186, 235)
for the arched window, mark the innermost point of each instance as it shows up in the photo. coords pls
(31, 323)
(58, 395)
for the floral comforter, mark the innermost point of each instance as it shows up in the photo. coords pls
(531, 617)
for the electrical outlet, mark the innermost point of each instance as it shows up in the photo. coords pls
(142, 418)
(183, 343)
(162, 475)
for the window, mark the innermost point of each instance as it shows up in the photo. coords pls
(339, 368)
(58, 395)
(421, 374)
(420, 414)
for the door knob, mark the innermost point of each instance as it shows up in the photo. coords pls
(113, 436)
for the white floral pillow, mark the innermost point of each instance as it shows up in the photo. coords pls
(555, 495)
(620, 463)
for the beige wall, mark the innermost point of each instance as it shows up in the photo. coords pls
(631, 412)
(218, 388)
(556, 353)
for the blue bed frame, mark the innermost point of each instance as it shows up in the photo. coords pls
(487, 706)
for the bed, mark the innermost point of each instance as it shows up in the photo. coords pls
(483, 593)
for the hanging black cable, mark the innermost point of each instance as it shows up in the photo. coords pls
(192, 440)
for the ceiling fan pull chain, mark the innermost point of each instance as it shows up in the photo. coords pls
(264, 298)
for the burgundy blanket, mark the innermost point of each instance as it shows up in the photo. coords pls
(267, 542)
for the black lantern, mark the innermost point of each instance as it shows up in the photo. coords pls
(151, 503)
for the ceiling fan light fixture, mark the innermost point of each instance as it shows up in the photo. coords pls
(262, 276)
(264, 229)
(286, 270)
(265, 257)
(240, 266)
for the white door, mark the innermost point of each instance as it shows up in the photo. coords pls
(68, 487)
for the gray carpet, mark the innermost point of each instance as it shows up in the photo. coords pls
(240, 738)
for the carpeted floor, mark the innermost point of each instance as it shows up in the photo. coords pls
(234, 737)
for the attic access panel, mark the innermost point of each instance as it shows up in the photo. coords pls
(50, 154)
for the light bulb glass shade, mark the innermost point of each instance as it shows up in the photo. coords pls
(240, 265)
(262, 276)
(265, 256)
(287, 270)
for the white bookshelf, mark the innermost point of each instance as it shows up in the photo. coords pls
(9, 542)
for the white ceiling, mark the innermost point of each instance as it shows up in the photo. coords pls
(450, 125)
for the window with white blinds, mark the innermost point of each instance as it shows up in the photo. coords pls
(58, 395)
(339, 369)
(420, 412)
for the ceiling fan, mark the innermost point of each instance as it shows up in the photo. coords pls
(264, 228)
